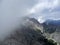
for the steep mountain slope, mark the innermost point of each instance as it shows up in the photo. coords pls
(28, 34)
(51, 26)
(53, 22)
(52, 29)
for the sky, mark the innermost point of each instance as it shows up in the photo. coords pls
(46, 9)
(11, 12)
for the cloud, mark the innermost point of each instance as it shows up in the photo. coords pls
(46, 9)
(44, 4)
(41, 19)
(11, 12)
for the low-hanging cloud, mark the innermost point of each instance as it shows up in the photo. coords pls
(11, 12)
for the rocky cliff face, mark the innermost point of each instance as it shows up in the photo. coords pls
(27, 34)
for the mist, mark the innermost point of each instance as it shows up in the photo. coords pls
(11, 13)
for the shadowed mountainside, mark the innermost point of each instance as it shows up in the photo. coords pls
(27, 35)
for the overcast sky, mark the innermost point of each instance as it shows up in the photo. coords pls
(46, 9)
(12, 10)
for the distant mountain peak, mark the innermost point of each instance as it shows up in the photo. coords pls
(53, 22)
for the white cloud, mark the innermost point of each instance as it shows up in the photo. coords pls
(44, 4)
(12, 10)
(46, 9)
(41, 19)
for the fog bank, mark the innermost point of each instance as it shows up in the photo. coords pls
(11, 12)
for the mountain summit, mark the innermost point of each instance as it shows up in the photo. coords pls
(28, 34)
